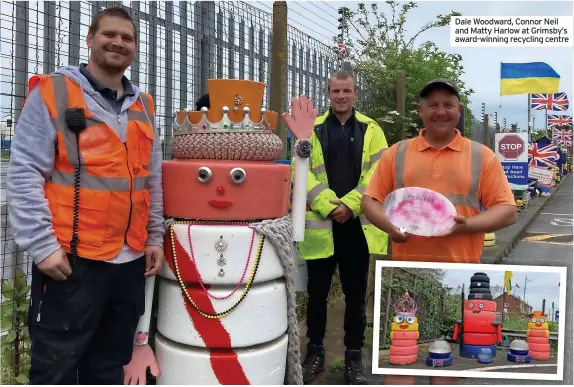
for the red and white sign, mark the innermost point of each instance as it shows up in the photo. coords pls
(511, 146)
(542, 175)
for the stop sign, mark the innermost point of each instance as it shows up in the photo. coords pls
(511, 146)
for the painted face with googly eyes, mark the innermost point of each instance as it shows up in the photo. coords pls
(538, 320)
(225, 189)
(406, 322)
(237, 176)
(475, 306)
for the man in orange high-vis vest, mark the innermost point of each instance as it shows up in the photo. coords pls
(466, 172)
(85, 201)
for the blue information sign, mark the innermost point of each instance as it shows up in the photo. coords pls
(516, 173)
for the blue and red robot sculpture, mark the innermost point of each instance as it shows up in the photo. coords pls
(478, 330)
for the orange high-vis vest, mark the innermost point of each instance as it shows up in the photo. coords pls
(114, 199)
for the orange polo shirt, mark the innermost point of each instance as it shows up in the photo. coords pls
(448, 171)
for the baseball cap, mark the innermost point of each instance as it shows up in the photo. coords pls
(439, 84)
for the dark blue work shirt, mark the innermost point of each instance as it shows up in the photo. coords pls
(110, 95)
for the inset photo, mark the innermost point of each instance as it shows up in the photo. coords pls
(469, 320)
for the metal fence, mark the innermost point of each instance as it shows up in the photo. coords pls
(180, 46)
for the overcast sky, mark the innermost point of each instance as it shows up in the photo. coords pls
(539, 286)
(482, 65)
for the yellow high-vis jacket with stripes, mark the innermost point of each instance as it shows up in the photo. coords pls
(318, 241)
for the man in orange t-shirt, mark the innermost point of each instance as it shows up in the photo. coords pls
(466, 172)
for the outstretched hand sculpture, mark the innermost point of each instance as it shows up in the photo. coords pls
(300, 122)
(142, 358)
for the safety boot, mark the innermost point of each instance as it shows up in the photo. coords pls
(354, 372)
(314, 362)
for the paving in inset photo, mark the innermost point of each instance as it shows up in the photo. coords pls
(469, 320)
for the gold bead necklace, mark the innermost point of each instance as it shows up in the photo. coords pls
(184, 288)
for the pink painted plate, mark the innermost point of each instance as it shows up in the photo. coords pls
(420, 211)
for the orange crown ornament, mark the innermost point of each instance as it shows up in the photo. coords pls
(236, 127)
(236, 105)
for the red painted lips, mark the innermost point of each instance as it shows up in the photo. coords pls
(220, 203)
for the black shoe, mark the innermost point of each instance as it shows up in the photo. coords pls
(314, 362)
(354, 372)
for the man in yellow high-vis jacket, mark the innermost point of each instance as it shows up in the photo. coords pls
(346, 147)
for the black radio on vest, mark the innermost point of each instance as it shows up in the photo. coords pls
(76, 122)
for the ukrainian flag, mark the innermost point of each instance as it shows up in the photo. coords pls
(528, 78)
(507, 282)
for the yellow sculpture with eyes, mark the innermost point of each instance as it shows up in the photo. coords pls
(537, 336)
(404, 332)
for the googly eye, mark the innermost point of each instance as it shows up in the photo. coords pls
(534, 319)
(481, 306)
(237, 175)
(471, 305)
(410, 320)
(204, 175)
(542, 320)
(399, 319)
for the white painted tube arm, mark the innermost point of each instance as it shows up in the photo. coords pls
(299, 201)
(142, 331)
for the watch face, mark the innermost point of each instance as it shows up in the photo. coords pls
(303, 148)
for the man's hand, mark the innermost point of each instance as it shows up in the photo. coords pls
(459, 227)
(342, 213)
(398, 236)
(56, 265)
(153, 260)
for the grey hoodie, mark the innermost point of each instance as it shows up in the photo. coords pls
(32, 157)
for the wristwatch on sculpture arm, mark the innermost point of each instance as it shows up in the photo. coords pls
(303, 148)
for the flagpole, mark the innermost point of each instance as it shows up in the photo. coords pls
(529, 114)
(502, 312)
(546, 127)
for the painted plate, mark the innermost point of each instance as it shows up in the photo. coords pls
(420, 211)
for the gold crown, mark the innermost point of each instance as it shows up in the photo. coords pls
(241, 95)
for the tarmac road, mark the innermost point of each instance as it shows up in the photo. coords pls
(499, 364)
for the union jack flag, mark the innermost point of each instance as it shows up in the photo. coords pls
(557, 101)
(559, 121)
(542, 156)
(342, 50)
(562, 136)
(521, 359)
(437, 362)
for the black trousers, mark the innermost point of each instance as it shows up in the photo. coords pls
(82, 329)
(352, 256)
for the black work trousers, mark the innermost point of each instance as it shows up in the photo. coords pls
(352, 256)
(83, 328)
